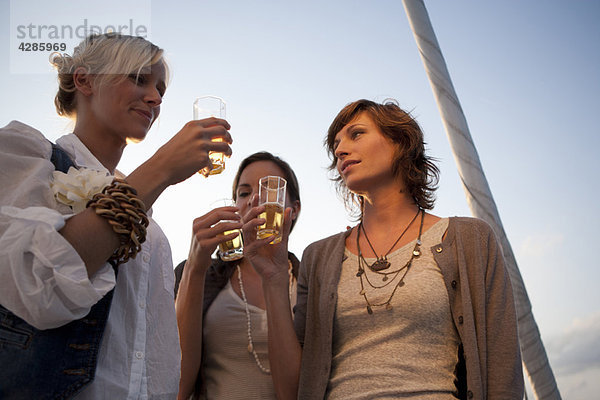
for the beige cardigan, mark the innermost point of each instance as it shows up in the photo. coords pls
(481, 303)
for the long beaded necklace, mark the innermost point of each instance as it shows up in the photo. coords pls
(361, 271)
(249, 323)
(382, 262)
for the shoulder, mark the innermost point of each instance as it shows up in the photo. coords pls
(217, 270)
(21, 139)
(473, 238)
(178, 271)
(469, 222)
(216, 276)
(469, 227)
(295, 263)
(19, 127)
(326, 245)
(327, 251)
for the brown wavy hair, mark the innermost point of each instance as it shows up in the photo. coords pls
(416, 169)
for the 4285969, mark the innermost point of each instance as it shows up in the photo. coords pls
(42, 46)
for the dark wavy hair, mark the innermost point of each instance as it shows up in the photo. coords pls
(417, 170)
(293, 189)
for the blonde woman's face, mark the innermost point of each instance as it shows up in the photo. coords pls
(127, 108)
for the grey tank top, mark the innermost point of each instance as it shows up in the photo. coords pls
(409, 350)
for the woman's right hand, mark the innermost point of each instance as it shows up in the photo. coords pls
(181, 157)
(269, 260)
(207, 233)
(187, 151)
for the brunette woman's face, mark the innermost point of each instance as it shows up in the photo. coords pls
(127, 108)
(248, 185)
(364, 155)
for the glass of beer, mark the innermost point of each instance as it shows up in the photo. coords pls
(271, 194)
(205, 107)
(232, 249)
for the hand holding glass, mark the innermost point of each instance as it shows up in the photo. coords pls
(205, 107)
(271, 194)
(232, 249)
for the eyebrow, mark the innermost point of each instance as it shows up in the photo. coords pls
(243, 184)
(355, 125)
(348, 127)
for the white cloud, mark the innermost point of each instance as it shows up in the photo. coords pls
(583, 385)
(537, 246)
(575, 358)
(578, 348)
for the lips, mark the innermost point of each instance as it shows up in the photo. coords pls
(144, 113)
(347, 164)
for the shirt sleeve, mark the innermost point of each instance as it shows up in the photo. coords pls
(505, 368)
(42, 278)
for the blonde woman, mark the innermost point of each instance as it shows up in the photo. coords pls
(61, 262)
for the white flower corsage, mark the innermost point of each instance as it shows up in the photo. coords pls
(78, 186)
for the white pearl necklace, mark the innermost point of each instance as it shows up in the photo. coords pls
(249, 324)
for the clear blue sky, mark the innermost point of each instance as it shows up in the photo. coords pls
(527, 75)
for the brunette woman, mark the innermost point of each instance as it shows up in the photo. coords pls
(403, 304)
(220, 304)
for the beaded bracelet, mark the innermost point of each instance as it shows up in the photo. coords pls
(126, 214)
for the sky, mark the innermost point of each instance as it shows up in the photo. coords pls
(527, 75)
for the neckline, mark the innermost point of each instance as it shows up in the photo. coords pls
(408, 245)
(240, 301)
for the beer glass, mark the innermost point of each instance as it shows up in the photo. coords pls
(205, 107)
(271, 194)
(232, 249)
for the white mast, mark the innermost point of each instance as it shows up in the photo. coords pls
(479, 195)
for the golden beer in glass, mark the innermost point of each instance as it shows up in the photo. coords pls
(274, 217)
(205, 107)
(271, 194)
(232, 249)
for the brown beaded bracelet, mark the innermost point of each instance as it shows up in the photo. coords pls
(126, 214)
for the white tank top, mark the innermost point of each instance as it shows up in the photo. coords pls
(230, 371)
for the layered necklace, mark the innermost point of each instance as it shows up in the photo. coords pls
(382, 264)
(248, 321)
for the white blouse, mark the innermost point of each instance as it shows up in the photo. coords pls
(44, 281)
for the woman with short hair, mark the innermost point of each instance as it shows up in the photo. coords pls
(403, 304)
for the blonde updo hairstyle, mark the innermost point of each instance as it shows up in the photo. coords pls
(111, 57)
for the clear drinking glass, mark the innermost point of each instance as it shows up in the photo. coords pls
(271, 194)
(205, 107)
(233, 249)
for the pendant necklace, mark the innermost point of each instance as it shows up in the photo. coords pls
(382, 262)
(404, 269)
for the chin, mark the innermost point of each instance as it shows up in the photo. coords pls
(358, 186)
(354, 186)
(134, 139)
